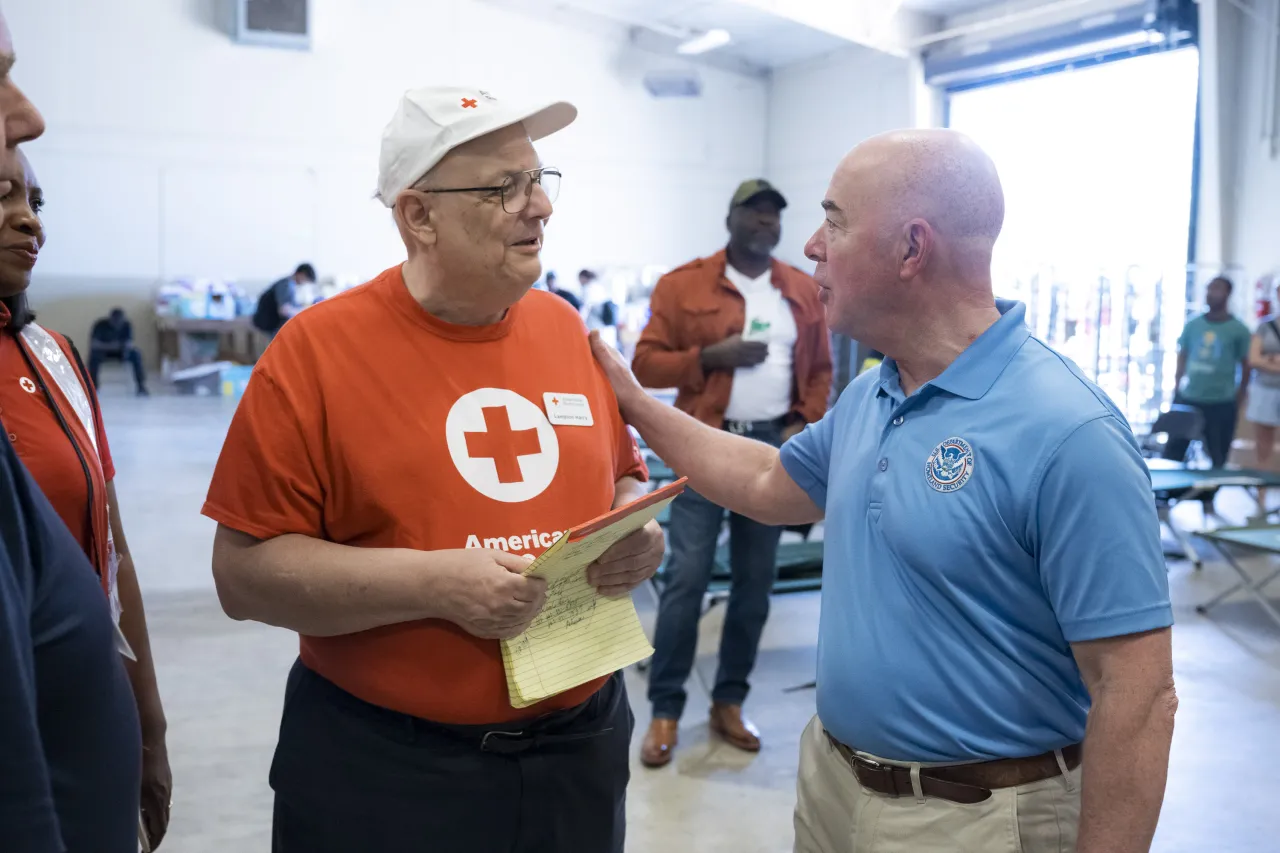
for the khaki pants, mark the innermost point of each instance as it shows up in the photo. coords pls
(835, 814)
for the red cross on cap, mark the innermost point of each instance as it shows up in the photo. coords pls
(468, 103)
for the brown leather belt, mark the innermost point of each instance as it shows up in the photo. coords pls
(959, 783)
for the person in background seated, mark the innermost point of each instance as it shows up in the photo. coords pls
(554, 287)
(1213, 373)
(742, 337)
(602, 312)
(49, 411)
(112, 338)
(279, 302)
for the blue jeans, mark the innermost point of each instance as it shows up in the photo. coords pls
(753, 549)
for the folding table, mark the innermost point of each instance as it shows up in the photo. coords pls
(1264, 540)
(1173, 484)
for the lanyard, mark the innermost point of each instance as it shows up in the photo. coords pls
(66, 430)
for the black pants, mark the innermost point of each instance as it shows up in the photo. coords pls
(1219, 432)
(351, 777)
(129, 354)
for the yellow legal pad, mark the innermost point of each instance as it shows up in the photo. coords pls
(580, 635)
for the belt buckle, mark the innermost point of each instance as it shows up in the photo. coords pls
(501, 746)
(885, 770)
(738, 427)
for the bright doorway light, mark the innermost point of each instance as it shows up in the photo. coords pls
(1097, 172)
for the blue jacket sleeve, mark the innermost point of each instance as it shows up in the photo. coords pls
(28, 819)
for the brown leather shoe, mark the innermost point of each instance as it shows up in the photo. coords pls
(659, 742)
(728, 722)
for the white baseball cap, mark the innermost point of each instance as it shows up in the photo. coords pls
(433, 120)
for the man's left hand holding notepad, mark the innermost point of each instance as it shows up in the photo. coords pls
(580, 634)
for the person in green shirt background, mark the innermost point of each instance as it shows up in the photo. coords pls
(1213, 372)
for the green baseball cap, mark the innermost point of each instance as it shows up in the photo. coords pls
(754, 188)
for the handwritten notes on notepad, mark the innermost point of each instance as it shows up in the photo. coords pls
(580, 635)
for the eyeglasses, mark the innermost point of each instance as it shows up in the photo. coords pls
(517, 189)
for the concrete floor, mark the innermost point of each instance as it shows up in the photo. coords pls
(222, 683)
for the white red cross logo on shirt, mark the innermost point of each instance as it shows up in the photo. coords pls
(502, 445)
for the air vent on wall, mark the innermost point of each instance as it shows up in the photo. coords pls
(683, 83)
(275, 23)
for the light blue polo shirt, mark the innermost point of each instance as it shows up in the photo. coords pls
(974, 530)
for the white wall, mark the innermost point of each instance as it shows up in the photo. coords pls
(1253, 170)
(1221, 73)
(820, 109)
(172, 151)
(1238, 222)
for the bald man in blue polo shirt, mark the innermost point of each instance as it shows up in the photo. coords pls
(994, 663)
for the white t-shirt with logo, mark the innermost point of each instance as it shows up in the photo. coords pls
(763, 392)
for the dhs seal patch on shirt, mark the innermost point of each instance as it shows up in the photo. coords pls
(950, 465)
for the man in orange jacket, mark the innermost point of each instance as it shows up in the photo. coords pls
(743, 338)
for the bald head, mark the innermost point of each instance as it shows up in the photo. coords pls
(912, 217)
(940, 176)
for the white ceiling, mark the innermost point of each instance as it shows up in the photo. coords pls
(761, 40)
(949, 8)
(758, 37)
(767, 34)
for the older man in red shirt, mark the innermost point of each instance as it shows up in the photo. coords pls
(400, 453)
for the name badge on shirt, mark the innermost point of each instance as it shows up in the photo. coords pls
(568, 409)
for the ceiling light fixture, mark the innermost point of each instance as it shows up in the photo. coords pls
(703, 42)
